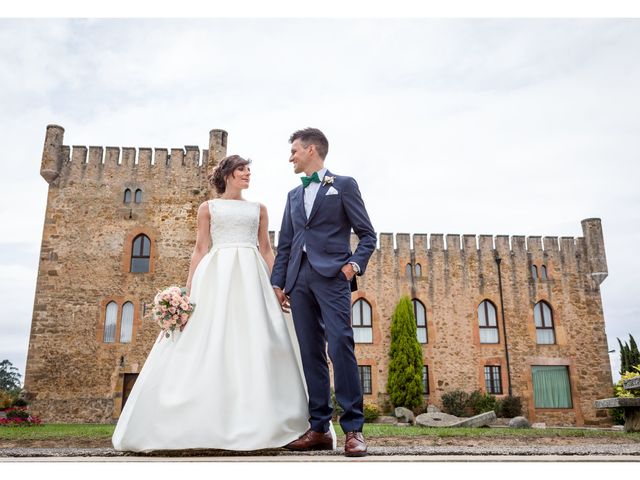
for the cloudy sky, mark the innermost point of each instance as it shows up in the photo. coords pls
(450, 126)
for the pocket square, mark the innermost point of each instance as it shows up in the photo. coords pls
(332, 191)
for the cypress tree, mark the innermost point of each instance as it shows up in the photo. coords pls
(404, 384)
(624, 365)
(634, 359)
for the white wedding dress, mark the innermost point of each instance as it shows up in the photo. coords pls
(232, 379)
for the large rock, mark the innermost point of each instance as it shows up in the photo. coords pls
(436, 420)
(519, 422)
(388, 420)
(404, 415)
(433, 409)
(540, 425)
(482, 420)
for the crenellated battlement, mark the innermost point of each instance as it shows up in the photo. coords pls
(404, 246)
(61, 161)
(437, 242)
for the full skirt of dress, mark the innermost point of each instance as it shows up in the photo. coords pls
(232, 379)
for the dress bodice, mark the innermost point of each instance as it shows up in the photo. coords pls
(234, 222)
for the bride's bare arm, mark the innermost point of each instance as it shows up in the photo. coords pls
(263, 238)
(203, 241)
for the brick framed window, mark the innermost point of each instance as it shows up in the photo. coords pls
(127, 196)
(551, 386)
(420, 312)
(126, 322)
(408, 270)
(543, 318)
(534, 272)
(361, 321)
(110, 322)
(365, 379)
(140, 254)
(493, 379)
(543, 272)
(138, 196)
(488, 322)
(418, 270)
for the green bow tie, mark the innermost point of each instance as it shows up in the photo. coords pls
(306, 181)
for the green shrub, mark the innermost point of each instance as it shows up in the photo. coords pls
(371, 412)
(618, 391)
(455, 402)
(17, 413)
(20, 402)
(509, 407)
(481, 402)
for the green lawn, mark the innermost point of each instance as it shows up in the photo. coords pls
(54, 431)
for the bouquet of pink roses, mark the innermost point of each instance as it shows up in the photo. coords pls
(172, 308)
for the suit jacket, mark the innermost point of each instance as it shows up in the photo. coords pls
(326, 233)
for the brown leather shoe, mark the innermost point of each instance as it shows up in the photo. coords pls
(312, 441)
(354, 445)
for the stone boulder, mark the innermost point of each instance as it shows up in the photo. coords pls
(436, 420)
(433, 409)
(540, 425)
(519, 422)
(387, 420)
(482, 420)
(404, 415)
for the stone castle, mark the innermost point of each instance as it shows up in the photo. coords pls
(498, 314)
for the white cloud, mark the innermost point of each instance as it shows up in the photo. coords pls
(482, 126)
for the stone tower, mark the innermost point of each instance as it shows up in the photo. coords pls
(99, 201)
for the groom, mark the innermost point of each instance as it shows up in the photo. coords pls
(314, 273)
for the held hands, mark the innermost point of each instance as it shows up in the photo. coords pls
(282, 299)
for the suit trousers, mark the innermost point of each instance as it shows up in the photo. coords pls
(321, 310)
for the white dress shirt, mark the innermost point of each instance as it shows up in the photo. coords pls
(310, 194)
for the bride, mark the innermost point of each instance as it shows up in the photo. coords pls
(232, 378)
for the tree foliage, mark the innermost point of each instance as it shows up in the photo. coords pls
(629, 355)
(9, 377)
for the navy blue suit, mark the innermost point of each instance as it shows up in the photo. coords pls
(320, 295)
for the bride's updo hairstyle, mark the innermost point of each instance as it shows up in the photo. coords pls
(226, 167)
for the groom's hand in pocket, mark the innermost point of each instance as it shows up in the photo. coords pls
(282, 299)
(348, 272)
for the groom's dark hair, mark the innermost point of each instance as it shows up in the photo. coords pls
(314, 136)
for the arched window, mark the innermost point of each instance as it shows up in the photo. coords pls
(138, 198)
(543, 317)
(140, 254)
(361, 321)
(407, 270)
(126, 323)
(544, 272)
(127, 196)
(418, 270)
(421, 320)
(488, 322)
(111, 317)
(534, 272)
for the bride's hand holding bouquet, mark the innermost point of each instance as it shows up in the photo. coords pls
(172, 309)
